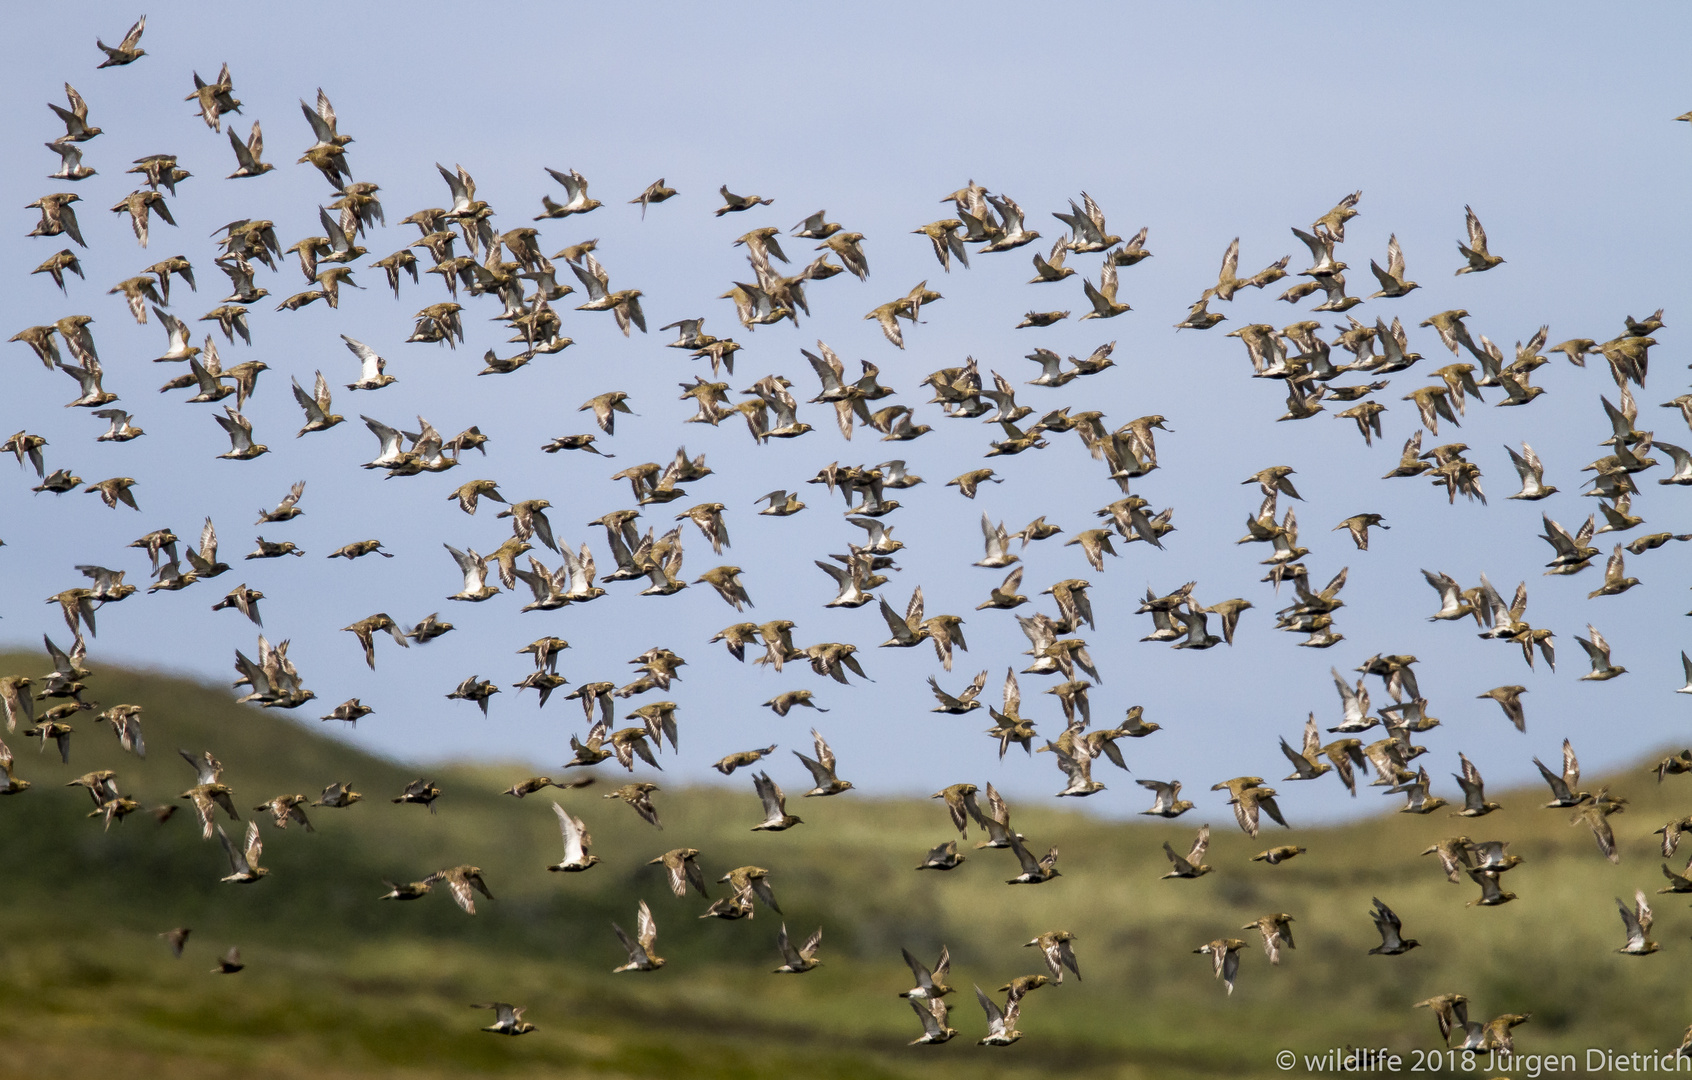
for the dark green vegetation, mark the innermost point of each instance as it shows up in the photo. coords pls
(339, 984)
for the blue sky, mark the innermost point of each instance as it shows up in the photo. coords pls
(1554, 123)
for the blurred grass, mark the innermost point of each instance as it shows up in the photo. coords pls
(339, 984)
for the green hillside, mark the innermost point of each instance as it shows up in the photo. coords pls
(339, 984)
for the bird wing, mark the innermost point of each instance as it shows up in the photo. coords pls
(825, 753)
(254, 844)
(1312, 739)
(133, 38)
(1384, 915)
(371, 363)
(770, 794)
(461, 892)
(1245, 812)
(1450, 593)
(321, 119)
(237, 861)
(573, 833)
(1632, 924)
(1597, 648)
(913, 610)
(243, 155)
(1182, 866)
(648, 929)
(1321, 250)
(1078, 767)
(592, 276)
(1559, 788)
(313, 411)
(900, 629)
(1030, 865)
(1601, 831)
(1066, 956)
(1477, 235)
(1230, 262)
(793, 957)
(1013, 694)
(635, 951)
(919, 970)
(694, 876)
(1300, 762)
(929, 1012)
(461, 194)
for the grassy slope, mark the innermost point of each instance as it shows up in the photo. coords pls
(339, 984)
